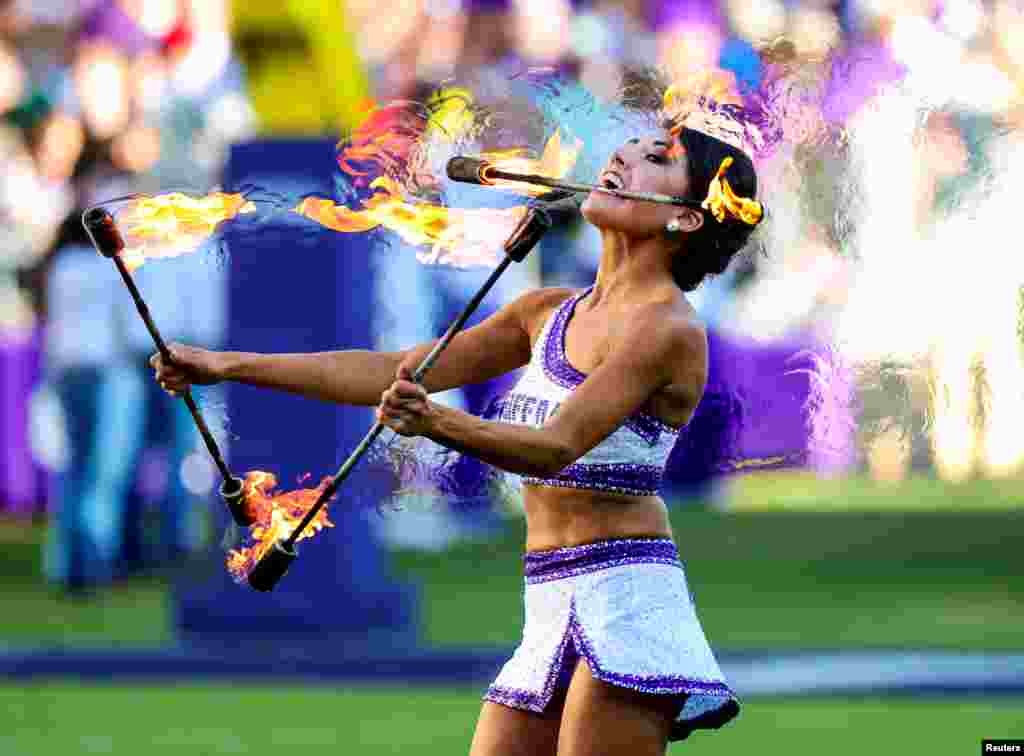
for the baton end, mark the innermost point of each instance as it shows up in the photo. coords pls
(468, 170)
(102, 230)
(267, 572)
(233, 493)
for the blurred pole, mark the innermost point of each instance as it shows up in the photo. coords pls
(346, 87)
(302, 63)
(340, 592)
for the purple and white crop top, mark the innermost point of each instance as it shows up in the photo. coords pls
(629, 461)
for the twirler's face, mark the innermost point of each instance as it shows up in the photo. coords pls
(655, 162)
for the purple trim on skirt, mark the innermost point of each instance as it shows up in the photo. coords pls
(516, 698)
(619, 477)
(575, 645)
(542, 566)
(658, 684)
(559, 674)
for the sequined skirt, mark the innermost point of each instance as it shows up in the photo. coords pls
(624, 606)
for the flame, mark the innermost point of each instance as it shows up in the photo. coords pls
(380, 149)
(276, 515)
(386, 146)
(168, 225)
(555, 162)
(384, 139)
(451, 112)
(715, 84)
(455, 236)
(708, 101)
(386, 142)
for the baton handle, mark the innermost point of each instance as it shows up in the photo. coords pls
(531, 228)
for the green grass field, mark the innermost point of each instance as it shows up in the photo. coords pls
(876, 570)
(795, 562)
(805, 491)
(796, 580)
(68, 719)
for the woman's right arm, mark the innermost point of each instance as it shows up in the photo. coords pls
(347, 377)
(499, 344)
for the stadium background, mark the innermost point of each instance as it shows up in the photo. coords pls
(876, 605)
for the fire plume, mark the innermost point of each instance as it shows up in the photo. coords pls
(454, 236)
(555, 162)
(385, 139)
(277, 514)
(168, 225)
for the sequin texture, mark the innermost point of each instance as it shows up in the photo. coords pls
(625, 607)
(629, 461)
(542, 566)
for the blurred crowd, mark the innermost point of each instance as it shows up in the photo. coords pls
(102, 98)
(101, 101)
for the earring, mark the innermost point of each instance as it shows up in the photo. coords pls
(673, 226)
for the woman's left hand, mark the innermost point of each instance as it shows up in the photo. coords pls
(405, 407)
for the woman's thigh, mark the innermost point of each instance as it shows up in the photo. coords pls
(503, 731)
(599, 718)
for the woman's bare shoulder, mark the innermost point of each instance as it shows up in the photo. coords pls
(670, 331)
(546, 297)
(535, 306)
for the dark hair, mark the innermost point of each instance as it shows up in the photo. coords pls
(712, 247)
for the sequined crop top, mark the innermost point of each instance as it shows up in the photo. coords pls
(629, 461)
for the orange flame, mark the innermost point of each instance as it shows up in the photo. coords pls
(696, 102)
(555, 162)
(385, 138)
(168, 225)
(456, 237)
(716, 84)
(277, 515)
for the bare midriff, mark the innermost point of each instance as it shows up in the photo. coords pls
(560, 517)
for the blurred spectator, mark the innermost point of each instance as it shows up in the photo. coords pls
(34, 199)
(100, 389)
(90, 369)
(155, 91)
(193, 92)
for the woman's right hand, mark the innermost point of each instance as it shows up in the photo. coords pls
(189, 366)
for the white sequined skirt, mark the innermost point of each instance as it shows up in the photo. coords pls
(625, 607)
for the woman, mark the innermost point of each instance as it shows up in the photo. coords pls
(613, 658)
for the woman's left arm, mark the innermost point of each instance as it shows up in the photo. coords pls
(652, 352)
